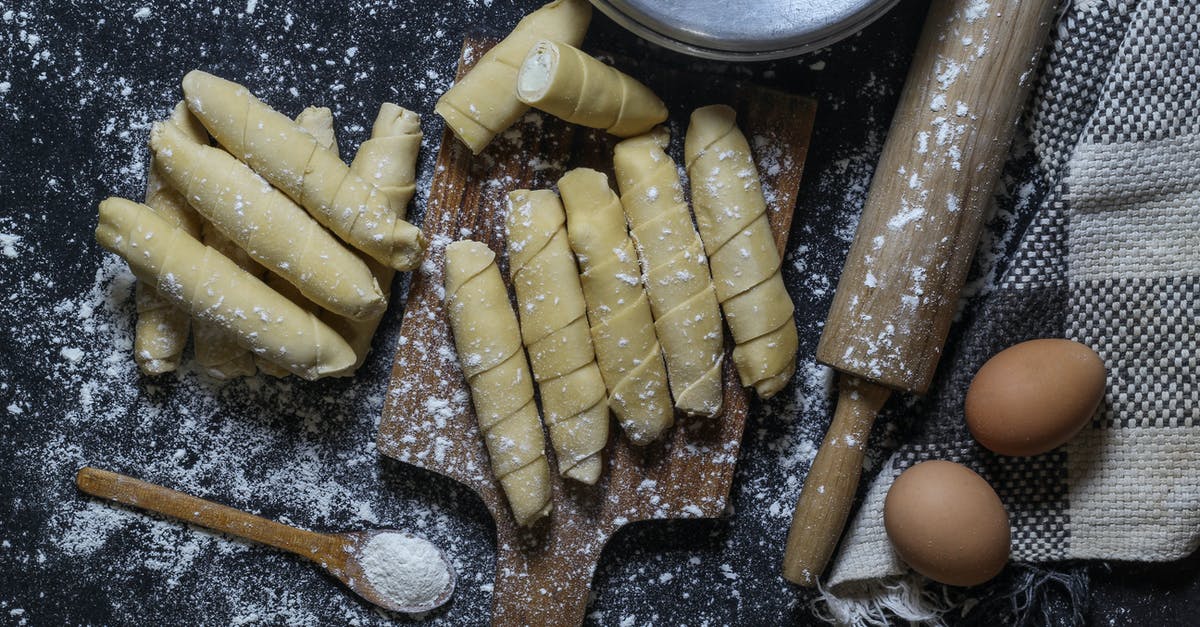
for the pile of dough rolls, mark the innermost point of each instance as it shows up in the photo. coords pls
(277, 255)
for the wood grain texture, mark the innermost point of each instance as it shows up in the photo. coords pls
(832, 481)
(543, 574)
(329, 550)
(950, 135)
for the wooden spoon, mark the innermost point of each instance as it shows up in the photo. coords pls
(337, 553)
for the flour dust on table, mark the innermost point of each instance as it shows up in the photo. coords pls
(79, 90)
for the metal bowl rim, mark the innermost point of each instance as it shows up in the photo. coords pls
(827, 37)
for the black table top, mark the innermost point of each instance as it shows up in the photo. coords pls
(80, 82)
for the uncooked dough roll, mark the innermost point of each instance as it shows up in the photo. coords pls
(161, 331)
(618, 310)
(388, 160)
(554, 328)
(484, 102)
(571, 84)
(267, 224)
(289, 291)
(318, 122)
(217, 350)
(732, 215)
(287, 156)
(489, 350)
(686, 314)
(214, 289)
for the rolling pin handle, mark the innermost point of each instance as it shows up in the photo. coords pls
(826, 498)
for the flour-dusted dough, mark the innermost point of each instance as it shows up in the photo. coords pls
(732, 215)
(388, 160)
(161, 331)
(267, 224)
(318, 122)
(488, 340)
(686, 314)
(484, 102)
(554, 328)
(214, 289)
(618, 310)
(289, 291)
(290, 159)
(217, 350)
(571, 84)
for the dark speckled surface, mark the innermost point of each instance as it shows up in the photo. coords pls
(79, 83)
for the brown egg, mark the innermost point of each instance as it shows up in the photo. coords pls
(947, 523)
(1033, 397)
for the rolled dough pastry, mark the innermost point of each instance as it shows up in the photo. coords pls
(554, 328)
(388, 160)
(161, 331)
(290, 159)
(686, 314)
(214, 289)
(318, 122)
(489, 350)
(618, 310)
(267, 224)
(571, 84)
(732, 215)
(484, 102)
(217, 350)
(289, 291)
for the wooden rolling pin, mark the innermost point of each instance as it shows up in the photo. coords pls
(898, 294)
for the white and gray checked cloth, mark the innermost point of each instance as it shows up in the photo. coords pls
(1102, 194)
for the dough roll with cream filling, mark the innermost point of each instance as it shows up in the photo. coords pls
(682, 299)
(267, 224)
(161, 331)
(214, 289)
(731, 212)
(484, 103)
(571, 84)
(554, 328)
(488, 340)
(618, 310)
(291, 160)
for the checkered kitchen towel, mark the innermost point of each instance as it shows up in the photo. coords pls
(1102, 195)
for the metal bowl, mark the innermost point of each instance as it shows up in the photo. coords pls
(743, 30)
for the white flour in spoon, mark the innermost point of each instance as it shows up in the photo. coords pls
(405, 569)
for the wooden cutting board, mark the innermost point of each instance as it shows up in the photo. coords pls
(543, 574)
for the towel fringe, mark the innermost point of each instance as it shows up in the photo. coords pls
(878, 603)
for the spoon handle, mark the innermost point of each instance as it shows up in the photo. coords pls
(319, 547)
